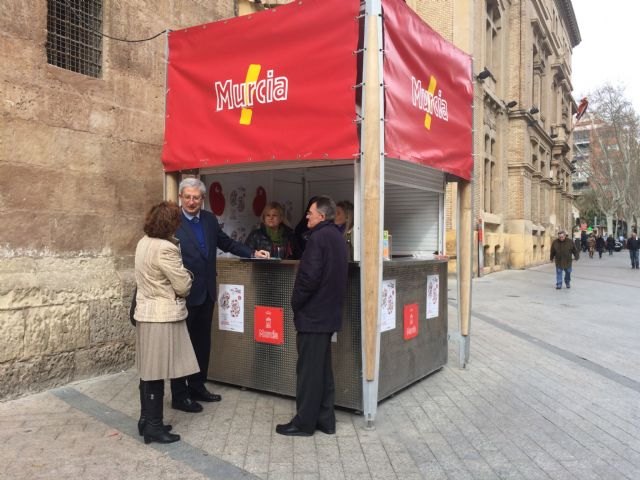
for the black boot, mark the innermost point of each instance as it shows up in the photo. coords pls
(154, 430)
(143, 414)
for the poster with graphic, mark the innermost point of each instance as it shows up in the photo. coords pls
(234, 199)
(388, 307)
(231, 307)
(433, 295)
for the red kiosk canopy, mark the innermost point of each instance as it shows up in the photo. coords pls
(278, 85)
(428, 94)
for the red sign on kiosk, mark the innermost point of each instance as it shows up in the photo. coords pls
(411, 318)
(268, 325)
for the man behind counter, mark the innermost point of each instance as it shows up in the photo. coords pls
(200, 236)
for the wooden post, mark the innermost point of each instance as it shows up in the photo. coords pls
(465, 258)
(171, 186)
(371, 249)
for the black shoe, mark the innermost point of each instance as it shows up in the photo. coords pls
(143, 421)
(157, 433)
(328, 431)
(568, 286)
(291, 430)
(558, 287)
(186, 405)
(204, 395)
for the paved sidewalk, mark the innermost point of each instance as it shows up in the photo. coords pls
(552, 392)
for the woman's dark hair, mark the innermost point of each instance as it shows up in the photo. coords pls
(163, 220)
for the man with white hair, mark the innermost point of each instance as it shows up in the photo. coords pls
(200, 236)
(561, 251)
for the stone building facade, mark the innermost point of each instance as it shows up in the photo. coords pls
(523, 118)
(79, 167)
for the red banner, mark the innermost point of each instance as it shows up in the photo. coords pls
(268, 325)
(428, 94)
(275, 85)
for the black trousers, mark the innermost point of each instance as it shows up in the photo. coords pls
(315, 389)
(199, 322)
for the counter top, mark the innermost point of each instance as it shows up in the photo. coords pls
(277, 261)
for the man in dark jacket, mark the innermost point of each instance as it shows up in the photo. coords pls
(562, 250)
(611, 244)
(200, 236)
(318, 294)
(633, 244)
(600, 245)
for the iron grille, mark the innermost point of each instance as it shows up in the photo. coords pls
(74, 41)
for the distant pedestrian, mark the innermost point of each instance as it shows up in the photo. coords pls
(591, 244)
(600, 245)
(633, 244)
(583, 240)
(611, 244)
(561, 251)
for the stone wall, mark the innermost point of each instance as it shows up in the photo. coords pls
(79, 167)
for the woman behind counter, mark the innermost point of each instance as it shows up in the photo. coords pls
(272, 235)
(344, 219)
(163, 347)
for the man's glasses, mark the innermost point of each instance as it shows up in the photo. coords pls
(195, 198)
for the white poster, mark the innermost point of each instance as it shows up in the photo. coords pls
(237, 200)
(388, 308)
(231, 308)
(433, 295)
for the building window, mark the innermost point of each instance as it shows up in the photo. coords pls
(489, 174)
(492, 37)
(74, 41)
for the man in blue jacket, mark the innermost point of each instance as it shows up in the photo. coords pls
(200, 236)
(318, 294)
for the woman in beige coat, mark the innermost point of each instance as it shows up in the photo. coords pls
(163, 347)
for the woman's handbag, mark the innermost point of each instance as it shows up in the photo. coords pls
(133, 306)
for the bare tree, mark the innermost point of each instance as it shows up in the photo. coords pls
(614, 157)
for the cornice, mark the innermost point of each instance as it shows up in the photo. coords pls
(565, 7)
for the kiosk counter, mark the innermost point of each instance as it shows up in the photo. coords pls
(254, 338)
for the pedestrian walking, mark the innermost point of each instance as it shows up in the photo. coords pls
(600, 244)
(591, 245)
(633, 244)
(611, 244)
(562, 251)
(583, 240)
